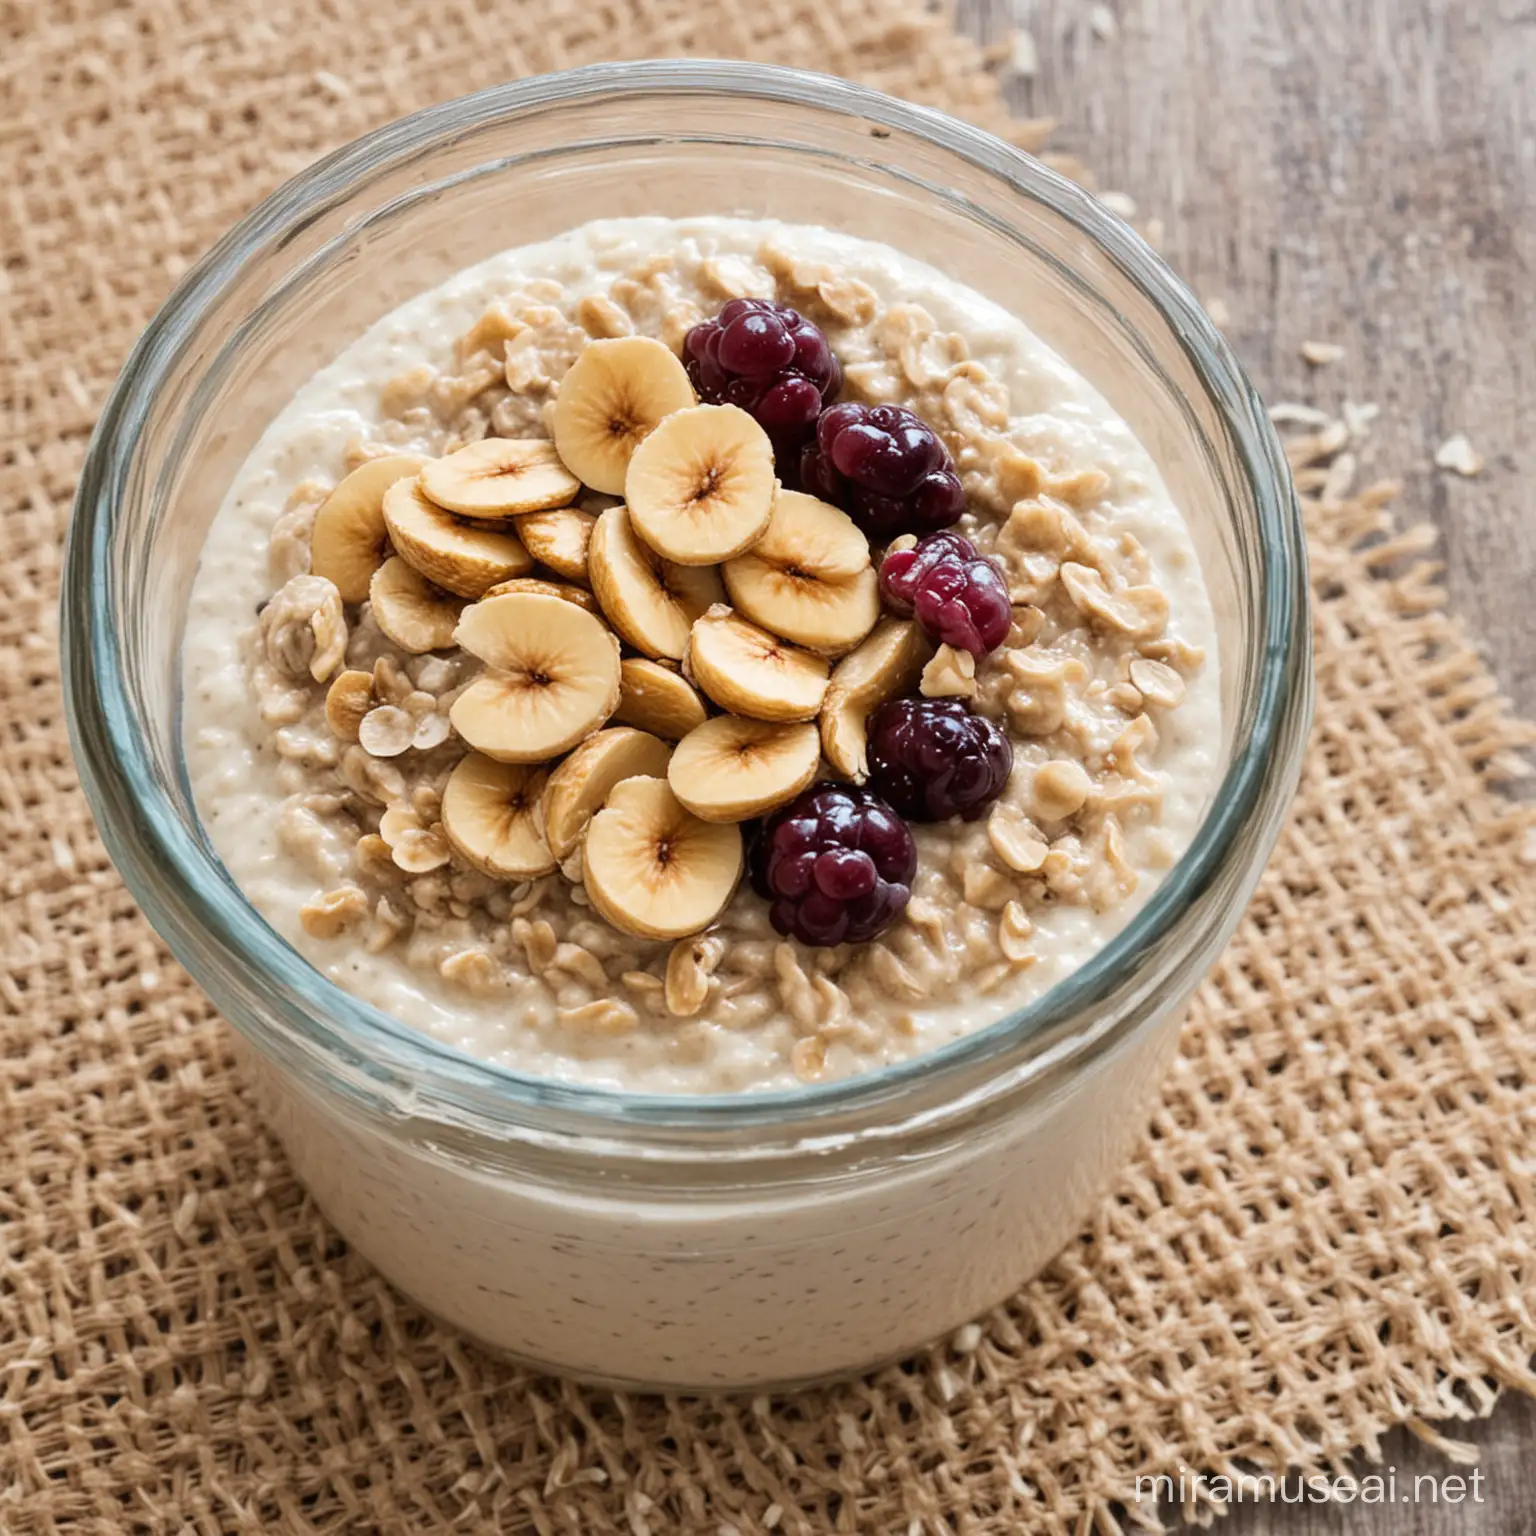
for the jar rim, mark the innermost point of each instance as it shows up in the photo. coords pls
(278, 996)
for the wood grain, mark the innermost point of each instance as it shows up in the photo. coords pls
(1357, 171)
(1360, 172)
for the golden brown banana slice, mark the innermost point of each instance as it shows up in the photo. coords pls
(409, 610)
(580, 786)
(500, 477)
(803, 579)
(490, 816)
(827, 615)
(349, 539)
(559, 540)
(748, 671)
(536, 584)
(700, 488)
(610, 399)
(654, 869)
(463, 558)
(650, 601)
(885, 666)
(656, 699)
(814, 535)
(730, 769)
(552, 678)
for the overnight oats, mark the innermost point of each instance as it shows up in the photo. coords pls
(699, 655)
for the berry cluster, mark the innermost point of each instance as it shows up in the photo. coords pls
(772, 362)
(933, 759)
(836, 864)
(957, 595)
(886, 467)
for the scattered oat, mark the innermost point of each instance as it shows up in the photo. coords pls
(1141, 612)
(1015, 840)
(602, 318)
(371, 778)
(1125, 698)
(333, 913)
(605, 1016)
(1061, 788)
(419, 853)
(1102, 20)
(809, 1058)
(1023, 55)
(1290, 413)
(950, 675)
(689, 968)
(985, 887)
(1358, 417)
(431, 731)
(1157, 683)
(582, 964)
(386, 731)
(1320, 353)
(1121, 204)
(347, 702)
(304, 628)
(474, 970)
(1013, 933)
(333, 85)
(1457, 454)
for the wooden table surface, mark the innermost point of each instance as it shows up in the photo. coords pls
(1360, 172)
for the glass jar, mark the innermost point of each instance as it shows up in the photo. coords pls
(680, 1241)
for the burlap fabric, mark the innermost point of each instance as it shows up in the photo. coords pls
(1332, 1229)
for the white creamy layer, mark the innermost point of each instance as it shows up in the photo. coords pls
(233, 768)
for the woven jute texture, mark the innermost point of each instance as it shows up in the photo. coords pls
(1331, 1230)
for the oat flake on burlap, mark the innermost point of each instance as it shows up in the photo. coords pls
(1332, 1229)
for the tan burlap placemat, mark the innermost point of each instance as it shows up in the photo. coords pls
(1332, 1229)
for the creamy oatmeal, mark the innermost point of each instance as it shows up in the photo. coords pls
(560, 883)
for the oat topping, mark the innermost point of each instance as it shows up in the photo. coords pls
(304, 629)
(1457, 453)
(560, 633)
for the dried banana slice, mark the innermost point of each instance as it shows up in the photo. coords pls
(748, 671)
(500, 477)
(654, 869)
(463, 558)
(654, 698)
(580, 786)
(552, 678)
(730, 769)
(409, 610)
(491, 817)
(610, 399)
(700, 488)
(650, 601)
(349, 539)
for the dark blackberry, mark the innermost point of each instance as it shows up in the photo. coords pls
(886, 467)
(933, 759)
(835, 864)
(772, 362)
(957, 595)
